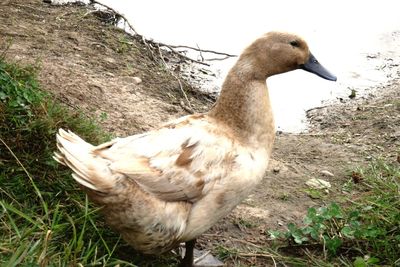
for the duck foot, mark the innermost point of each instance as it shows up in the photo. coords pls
(197, 258)
(205, 259)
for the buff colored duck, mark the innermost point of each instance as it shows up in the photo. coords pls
(170, 185)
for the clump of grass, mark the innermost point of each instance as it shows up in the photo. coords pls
(45, 219)
(364, 232)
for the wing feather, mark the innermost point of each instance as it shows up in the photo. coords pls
(174, 163)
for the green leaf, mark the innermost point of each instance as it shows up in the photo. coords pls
(314, 193)
(299, 238)
(314, 235)
(274, 234)
(325, 214)
(311, 214)
(373, 260)
(367, 208)
(365, 262)
(335, 211)
(292, 227)
(3, 95)
(332, 244)
(306, 230)
(354, 215)
(355, 224)
(373, 232)
(347, 231)
(359, 262)
(297, 234)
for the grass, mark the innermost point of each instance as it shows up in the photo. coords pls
(365, 231)
(44, 218)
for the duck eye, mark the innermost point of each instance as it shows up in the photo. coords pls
(294, 43)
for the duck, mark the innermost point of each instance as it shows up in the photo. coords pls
(167, 186)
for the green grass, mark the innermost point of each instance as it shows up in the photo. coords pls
(364, 231)
(45, 219)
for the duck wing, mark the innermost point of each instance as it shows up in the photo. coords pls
(179, 162)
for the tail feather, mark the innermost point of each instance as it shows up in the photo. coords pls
(90, 169)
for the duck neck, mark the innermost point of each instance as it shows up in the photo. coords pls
(245, 107)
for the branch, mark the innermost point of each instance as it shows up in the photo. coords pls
(116, 12)
(159, 44)
(316, 108)
(218, 58)
(190, 109)
(179, 54)
(203, 50)
(261, 255)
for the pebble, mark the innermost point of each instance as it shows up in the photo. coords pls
(136, 80)
(318, 183)
(110, 60)
(131, 80)
(204, 258)
(327, 173)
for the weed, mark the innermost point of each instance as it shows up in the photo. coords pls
(315, 193)
(44, 218)
(124, 45)
(284, 197)
(367, 230)
(225, 253)
(242, 223)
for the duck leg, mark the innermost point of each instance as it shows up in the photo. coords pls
(204, 259)
(187, 261)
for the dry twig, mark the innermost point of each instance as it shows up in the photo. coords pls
(179, 54)
(203, 50)
(153, 45)
(261, 255)
(116, 12)
(179, 81)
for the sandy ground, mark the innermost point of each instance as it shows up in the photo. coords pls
(91, 66)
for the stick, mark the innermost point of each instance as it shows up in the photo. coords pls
(262, 255)
(158, 44)
(180, 54)
(201, 257)
(119, 14)
(179, 81)
(203, 50)
(201, 55)
(218, 58)
(316, 108)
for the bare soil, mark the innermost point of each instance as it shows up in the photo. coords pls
(90, 65)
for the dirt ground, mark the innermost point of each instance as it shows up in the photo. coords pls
(90, 65)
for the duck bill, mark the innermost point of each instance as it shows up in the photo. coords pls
(313, 66)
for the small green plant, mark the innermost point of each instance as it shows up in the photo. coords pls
(365, 261)
(353, 93)
(103, 116)
(316, 223)
(243, 223)
(45, 220)
(367, 228)
(284, 197)
(315, 193)
(224, 253)
(124, 45)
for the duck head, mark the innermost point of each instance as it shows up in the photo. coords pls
(277, 52)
